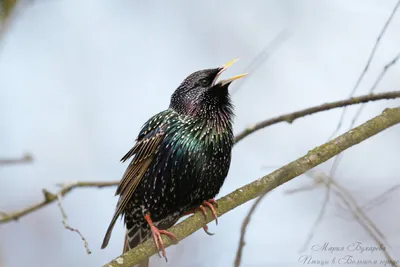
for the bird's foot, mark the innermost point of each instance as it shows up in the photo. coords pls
(203, 210)
(157, 236)
(209, 203)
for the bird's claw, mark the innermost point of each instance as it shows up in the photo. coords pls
(205, 228)
(157, 237)
(209, 203)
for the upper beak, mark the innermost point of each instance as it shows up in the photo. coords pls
(225, 67)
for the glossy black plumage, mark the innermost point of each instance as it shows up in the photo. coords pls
(181, 157)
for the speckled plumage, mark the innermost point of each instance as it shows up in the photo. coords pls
(181, 157)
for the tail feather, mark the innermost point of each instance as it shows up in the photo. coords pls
(137, 233)
(144, 263)
(133, 237)
(109, 231)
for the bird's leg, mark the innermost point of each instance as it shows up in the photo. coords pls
(157, 235)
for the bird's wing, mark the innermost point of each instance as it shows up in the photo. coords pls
(144, 150)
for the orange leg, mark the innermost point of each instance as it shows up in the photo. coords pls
(157, 235)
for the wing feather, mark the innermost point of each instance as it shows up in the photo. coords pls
(144, 150)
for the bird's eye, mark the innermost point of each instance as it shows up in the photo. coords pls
(204, 82)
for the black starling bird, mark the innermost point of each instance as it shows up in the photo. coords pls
(180, 160)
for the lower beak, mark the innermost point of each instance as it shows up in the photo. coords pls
(224, 68)
(228, 81)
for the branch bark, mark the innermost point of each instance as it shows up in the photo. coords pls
(265, 184)
(290, 117)
(49, 198)
(24, 159)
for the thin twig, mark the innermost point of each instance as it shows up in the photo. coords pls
(24, 159)
(359, 218)
(302, 189)
(380, 199)
(50, 197)
(375, 85)
(262, 57)
(318, 181)
(363, 219)
(378, 80)
(320, 216)
(66, 225)
(358, 209)
(290, 117)
(242, 243)
(366, 67)
(358, 212)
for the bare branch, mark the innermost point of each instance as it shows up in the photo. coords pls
(318, 181)
(375, 85)
(290, 117)
(265, 184)
(66, 226)
(242, 243)
(366, 67)
(27, 158)
(380, 199)
(363, 220)
(262, 57)
(320, 216)
(390, 64)
(50, 197)
(357, 211)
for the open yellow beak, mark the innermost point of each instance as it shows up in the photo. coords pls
(226, 81)
(225, 67)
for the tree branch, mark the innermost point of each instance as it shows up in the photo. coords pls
(50, 197)
(27, 158)
(260, 59)
(357, 212)
(68, 227)
(382, 74)
(368, 63)
(290, 117)
(265, 184)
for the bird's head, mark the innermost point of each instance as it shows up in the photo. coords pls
(201, 95)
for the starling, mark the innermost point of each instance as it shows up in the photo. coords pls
(180, 160)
